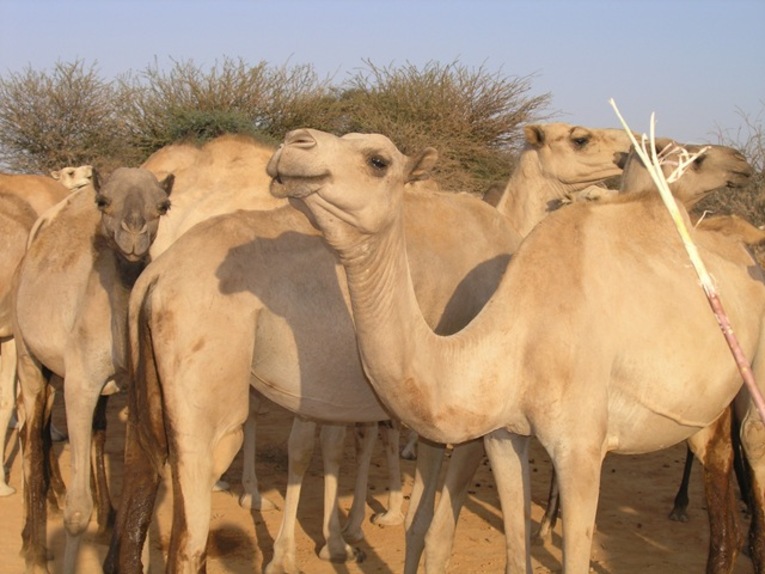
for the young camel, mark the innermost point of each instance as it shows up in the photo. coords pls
(288, 333)
(25, 197)
(81, 264)
(524, 366)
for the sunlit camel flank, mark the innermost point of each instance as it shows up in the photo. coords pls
(565, 333)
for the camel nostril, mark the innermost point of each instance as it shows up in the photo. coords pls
(300, 138)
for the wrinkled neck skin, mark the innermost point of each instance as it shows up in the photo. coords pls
(432, 383)
(530, 194)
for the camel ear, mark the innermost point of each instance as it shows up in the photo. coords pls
(56, 174)
(421, 165)
(620, 158)
(167, 183)
(535, 135)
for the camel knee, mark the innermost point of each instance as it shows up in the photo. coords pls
(77, 513)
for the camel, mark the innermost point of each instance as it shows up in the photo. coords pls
(25, 197)
(719, 167)
(598, 313)
(82, 263)
(297, 352)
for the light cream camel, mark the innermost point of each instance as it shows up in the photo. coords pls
(269, 282)
(38, 193)
(69, 316)
(598, 313)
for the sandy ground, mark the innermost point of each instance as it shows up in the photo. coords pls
(633, 531)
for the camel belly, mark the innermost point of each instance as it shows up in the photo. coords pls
(311, 371)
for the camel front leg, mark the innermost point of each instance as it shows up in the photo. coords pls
(251, 499)
(390, 431)
(105, 512)
(430, 457)
(439, 540)
(332, 446)
(300, 450)
(365, 436)
(81, 396)
(509, 457)
(7, 403)
(577, 469)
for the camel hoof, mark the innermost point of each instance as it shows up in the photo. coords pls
(388, 518)
(349, 554)
(6, 490)
(221, 486)
(408, 454)
(678, 515)
(261, 503)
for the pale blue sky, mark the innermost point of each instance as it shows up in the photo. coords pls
(695, 63)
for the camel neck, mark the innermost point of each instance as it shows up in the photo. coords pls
(529, 194)
(422, 377)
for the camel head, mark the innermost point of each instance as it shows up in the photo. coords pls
(74, 177)
(357, 179)
(574, 155)
(131, 201)
(717, 167)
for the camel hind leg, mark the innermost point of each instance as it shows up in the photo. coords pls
(194, 474)
(36, 446)
(753, 441)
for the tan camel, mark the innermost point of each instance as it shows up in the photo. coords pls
(598, 313)
(258, 280)
(81, 263)
(38, 193)
(719, 167)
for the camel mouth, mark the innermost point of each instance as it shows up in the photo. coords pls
(298, 186)
(738, 179)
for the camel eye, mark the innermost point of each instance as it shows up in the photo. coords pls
(580, 142)
(163, 207)
(102, 201)
(698, 161)
(378, 163)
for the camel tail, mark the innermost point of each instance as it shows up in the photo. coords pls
(145, 405)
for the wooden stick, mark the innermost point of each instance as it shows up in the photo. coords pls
(653, 165)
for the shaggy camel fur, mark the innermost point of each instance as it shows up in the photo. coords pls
(25, 197)
(81, 263)
(258, 278)
(524, 366)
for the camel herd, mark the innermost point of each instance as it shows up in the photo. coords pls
(332, 277)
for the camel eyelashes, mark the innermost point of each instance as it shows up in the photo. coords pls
(580, 142)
